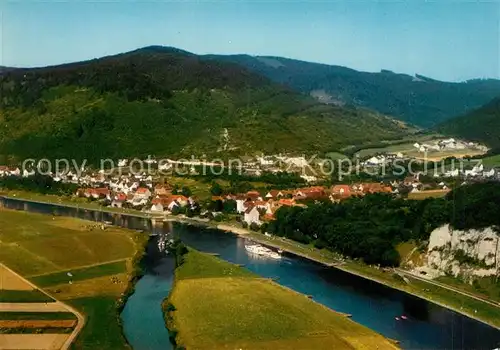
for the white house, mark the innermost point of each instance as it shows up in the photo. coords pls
(142, 193)
(309, 178)
(490, 173)
(122, 162)
(15, 172)
(252, 215)
(375, 160)
(157, 206)
(240, 205)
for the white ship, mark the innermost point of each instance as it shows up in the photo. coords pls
(262, 251)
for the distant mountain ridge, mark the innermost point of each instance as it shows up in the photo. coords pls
(418, 100)
(482, 124)
(164, 101)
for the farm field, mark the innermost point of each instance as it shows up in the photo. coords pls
(219, 305)
(407, 149)
(491, 161)
(428, 194)
(74, 261)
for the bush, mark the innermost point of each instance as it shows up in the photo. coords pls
(263, 227)
(320, 244)
(254, 226)
(170, 307)
(244, 224)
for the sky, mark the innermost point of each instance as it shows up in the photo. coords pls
(446, 40)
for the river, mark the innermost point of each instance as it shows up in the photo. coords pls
(428, 326)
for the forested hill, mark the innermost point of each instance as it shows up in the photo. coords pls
(164, 101)
(482, 124)
(415, 99)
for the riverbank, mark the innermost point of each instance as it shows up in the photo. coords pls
(451, 299)
(216, 304)
(77, 203)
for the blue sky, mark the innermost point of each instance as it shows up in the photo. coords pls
(444, 40)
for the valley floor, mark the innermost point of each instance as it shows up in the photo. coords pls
(462, 303)
(89, 280)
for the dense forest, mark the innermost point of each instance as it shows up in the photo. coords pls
(370, 227)
(418, 100)
(166, 102)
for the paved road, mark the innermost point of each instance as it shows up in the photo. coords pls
(81, 319)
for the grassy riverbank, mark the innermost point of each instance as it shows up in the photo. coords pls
(219, 305)
(69, 201)
(464, 304)
(78, 263)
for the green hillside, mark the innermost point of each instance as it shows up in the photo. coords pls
(415, 99)
(164, 101)
(482, 124)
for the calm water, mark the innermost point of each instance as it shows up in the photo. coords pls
(428, 326)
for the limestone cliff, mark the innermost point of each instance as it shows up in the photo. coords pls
(468, 253)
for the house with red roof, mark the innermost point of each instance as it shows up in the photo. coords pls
(274, 194)
(316, 192)
(339, 192)
(163, 190)
(118, 200)
(253, 195)
(142, 193)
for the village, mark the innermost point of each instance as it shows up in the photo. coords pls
(153, 192)
(146, 194)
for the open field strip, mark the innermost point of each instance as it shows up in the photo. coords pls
(80, 266)
(40, 341)
(33, 307)
(33, 341)
(37, 323)
(10, 281)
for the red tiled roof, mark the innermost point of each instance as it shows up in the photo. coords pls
(121, 196)
(289, 202)
(249, 209)
(253, 194)
(141, 190)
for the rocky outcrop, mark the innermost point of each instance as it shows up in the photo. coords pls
(468, 253)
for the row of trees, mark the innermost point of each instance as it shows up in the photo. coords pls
(370, 227)
(235, 176)
(38, 183)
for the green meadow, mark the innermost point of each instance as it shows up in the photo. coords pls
(219, 305)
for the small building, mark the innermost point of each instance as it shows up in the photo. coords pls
(252, 215)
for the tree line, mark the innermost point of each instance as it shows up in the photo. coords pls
(43, 184)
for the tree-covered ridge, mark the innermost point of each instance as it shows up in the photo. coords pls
(482, 124)
(414, 99)
(167, 102)
(370, 227)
